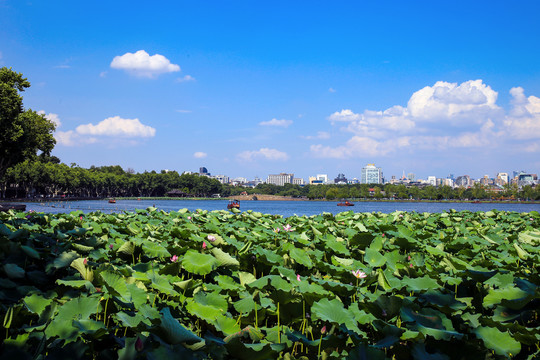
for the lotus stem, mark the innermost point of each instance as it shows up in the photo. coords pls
(105, 312)
(278, 329)
(256, 319)
(319, 351)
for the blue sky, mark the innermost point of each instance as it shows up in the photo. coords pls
(250, 88)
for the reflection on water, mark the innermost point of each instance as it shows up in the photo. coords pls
(285, 208)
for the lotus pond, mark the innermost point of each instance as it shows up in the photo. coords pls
(221, 285)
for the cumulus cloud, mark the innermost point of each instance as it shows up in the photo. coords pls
(445, 115)
(523, 120)
(51, 117)
(142, 64)
(116, 126)
(263, 153)
(200, 155)
(72, 138)
(275, 122)
(332, 90)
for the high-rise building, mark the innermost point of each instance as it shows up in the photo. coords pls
(371, 175)
(298, 181)
(432, 180)
(501, 179)
(341, 179)
(463, 180)
(280, 179)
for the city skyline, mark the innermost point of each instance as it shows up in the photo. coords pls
(257, 89)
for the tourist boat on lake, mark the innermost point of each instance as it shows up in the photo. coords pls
(233, 204)
(112, 201)
(345, 203)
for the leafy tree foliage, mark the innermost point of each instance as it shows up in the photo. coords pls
(23, 133)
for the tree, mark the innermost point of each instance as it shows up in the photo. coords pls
(23, 133)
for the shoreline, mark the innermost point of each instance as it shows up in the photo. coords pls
(262, 197)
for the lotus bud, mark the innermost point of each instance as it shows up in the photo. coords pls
(211, 238)
(204, 245)
(323, 330)
(139, 346)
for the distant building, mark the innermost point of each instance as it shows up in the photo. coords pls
(371, 175)
(353, 181)
(501, 179)
(432, 180)
(340, 179)
(203, 171)
(323, 178)
(411, 177)
(298, 181)
(224, 179)
(463, 180)
(527, 179)
(312, 180)
(280, 179)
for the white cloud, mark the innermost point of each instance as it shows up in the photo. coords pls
(264, 153)
(344, 115)
(71, 138)
(275, 122)
(116, 126)
(523, 120)
(441, 117)
(103, 74)
(52, 117)
(143, 65)
(332, 90)
(200, 155)
(185, 78)
(183, 111)
(320, 135)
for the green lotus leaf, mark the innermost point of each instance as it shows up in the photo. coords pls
(270, 256)
(334, 311)
(89, 326)
(81, 248)
(206, 312)
(347, 263)
(301, 257)
(501, 342)
(14, 271)
(86, 272)
(76, 309)
(36, 303)
(197, 263)
(374, 258)
(223, 258)
(153, 249)
(174, 332)
(419, 284)
(128, 320)
(496, 296)
(31, 252)
(501, 280)
(245, 306)
(227, 325)
(162, 284)
(246, 278)
(115, 283)
(127, 248)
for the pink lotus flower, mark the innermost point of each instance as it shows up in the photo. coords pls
(411, 265)
(174, 258)
(323, 330)
(298, 277)
(409, 257)
(111, 246)
(80, 217)
(189, 217)
(276, 230)
(85, 261)
(382, 235)
(359, 274)
(211, 238)
(287, 227)
(204, 245)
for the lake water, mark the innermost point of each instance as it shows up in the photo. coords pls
(285, 208)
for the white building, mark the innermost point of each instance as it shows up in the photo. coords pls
(432, 180)
(224, 179)
(371, 175)
(323, 178)
(298, 181)
(280, 179)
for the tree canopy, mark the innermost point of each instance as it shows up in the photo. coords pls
(24, 134)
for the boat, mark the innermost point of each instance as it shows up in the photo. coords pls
(233, 204)
(476, 202)
(345, 203)
(112, 201)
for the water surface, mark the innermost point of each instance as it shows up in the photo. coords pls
(285, 208)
